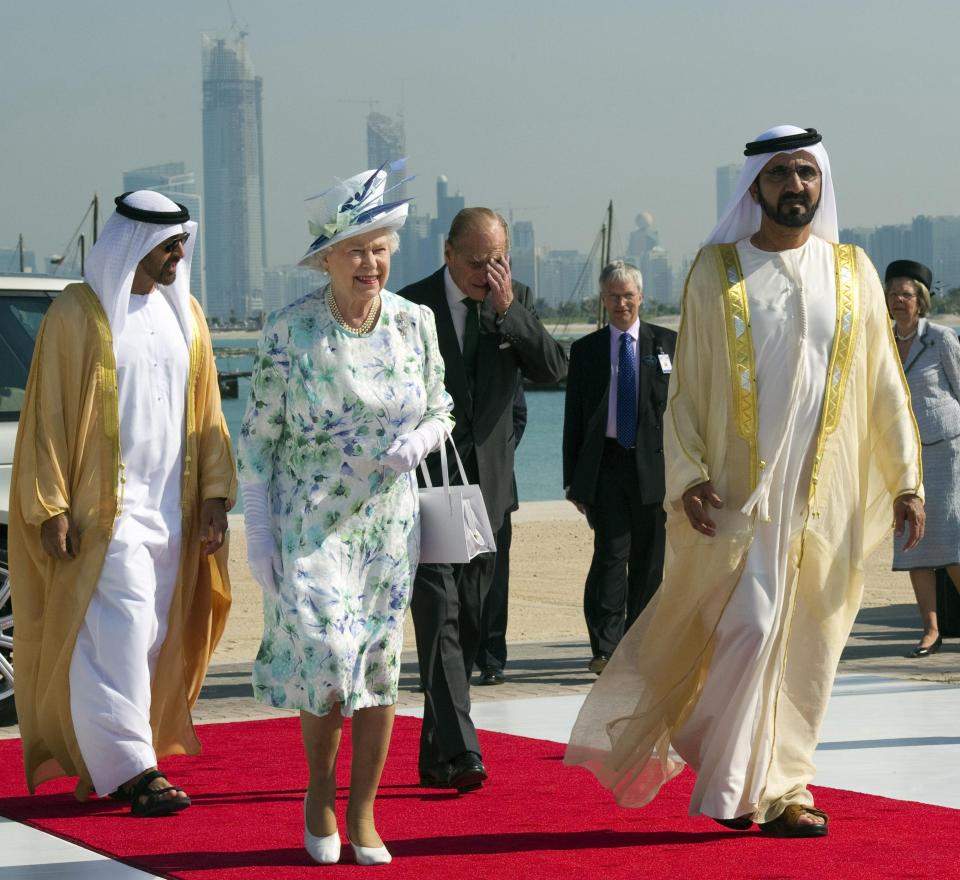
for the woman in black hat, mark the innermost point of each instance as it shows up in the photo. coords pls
(930, 355)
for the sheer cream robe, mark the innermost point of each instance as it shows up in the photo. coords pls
(792, 305)
(865, 453)
(68, 458)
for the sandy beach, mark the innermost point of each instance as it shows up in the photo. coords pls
(549, 561)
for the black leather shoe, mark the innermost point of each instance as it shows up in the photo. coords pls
(467, 772)
(928, 650)
(741, 823)
(491, 676)
(464, 773)
(598, 664)
(436, 777)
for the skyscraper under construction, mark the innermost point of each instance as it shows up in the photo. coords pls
(235, 221)
(386, 142)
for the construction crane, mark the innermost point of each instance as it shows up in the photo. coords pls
(235, 25)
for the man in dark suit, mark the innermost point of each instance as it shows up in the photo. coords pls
(492, 650)
(613, 456)
(489, 336)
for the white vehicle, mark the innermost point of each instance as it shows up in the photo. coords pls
(24, 300)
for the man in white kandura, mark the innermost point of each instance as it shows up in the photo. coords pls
(122, 475)
(788, 439)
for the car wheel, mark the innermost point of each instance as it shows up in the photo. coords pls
(8, 712)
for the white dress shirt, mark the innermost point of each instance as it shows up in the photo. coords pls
(615, 334)
(458, 308)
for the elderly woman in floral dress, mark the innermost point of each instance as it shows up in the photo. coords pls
(346, 398)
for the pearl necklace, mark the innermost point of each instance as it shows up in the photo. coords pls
(899, 338)
(368, 321)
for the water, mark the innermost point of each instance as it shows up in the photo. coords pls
(539, 463)
(539, 466)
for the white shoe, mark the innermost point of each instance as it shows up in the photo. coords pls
(323, 850)
(371, 855)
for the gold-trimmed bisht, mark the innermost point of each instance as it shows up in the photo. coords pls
(841, 355)
(743, 368)
(743, 371)
(109, 389)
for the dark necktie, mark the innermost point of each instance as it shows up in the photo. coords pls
(471, 336)
(626, 394)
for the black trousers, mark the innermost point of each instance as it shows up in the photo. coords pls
(628, 545)
(493, 621)
(446, 605)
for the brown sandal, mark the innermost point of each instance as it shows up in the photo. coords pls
(788, 824)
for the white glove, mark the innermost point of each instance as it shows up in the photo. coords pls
(268, 572)
(263, 556)
(409, 449)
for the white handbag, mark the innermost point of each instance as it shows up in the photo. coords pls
(454, 526)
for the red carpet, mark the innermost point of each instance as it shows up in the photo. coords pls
(535, 819)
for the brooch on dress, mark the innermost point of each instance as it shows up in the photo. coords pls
(402, 322)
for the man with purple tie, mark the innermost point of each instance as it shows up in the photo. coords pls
(613, 456)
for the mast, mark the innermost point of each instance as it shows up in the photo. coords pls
(606, 237)
(604, 245)
(96, 216)
(606, 254)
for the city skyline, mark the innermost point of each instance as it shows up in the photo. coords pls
(524, 119)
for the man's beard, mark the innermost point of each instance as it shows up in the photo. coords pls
(779, 212)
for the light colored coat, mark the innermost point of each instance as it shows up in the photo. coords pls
(67, 459)
(932, 368)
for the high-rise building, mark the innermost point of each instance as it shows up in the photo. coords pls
(643, 239)
(567, 276)
(420, 250)
(933, 241)
(233, 191)
(523, 254)
(387, 142)
(680, 277)
(174, 181)
(936, 243)
(727, 177)
(858, 235)
(657, 275)
(447, 205)
(283, 285)
(889, 243)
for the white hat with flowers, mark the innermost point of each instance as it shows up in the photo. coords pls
(353, 206)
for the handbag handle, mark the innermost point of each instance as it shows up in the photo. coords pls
(447, 436)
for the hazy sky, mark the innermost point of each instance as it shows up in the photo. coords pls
(548, 109)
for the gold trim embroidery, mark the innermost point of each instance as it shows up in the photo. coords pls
(193, 375)
(841, 357)
(743, 373)
(110, 394)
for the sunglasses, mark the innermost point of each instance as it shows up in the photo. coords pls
(171, 245)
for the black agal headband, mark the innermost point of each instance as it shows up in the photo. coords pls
(788, 142)
(163, 218)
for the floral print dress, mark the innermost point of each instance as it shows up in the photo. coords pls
(325, 403)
